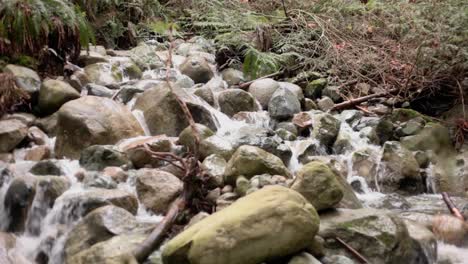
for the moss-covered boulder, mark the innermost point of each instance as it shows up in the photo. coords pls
(187, 136)
(249, 161)
(319, 185)
(325, 127)
(164, 115)
(233, 101)
(402, 169)
(53, 94)
(314, 88)
(378, 235)
(272, 222)
(90, 121)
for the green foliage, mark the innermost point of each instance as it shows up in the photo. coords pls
(26, 26)
(257, 64)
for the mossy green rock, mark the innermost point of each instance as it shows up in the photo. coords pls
(272, 222)
(319, 185)
(377, 234)
(250, 161)
(314, 88)
(187, 136)
(434, 137)
(325, 127)
(103, 73)
(233, 101)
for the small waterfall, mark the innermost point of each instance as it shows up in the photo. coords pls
(138, 114)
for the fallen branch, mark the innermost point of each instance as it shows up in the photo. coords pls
(451, 206)
(354, 252)
(354, 102)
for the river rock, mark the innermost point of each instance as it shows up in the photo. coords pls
(26, 78)
(433, 137)
(215, 165)
(145, 57)
(38, 153)
(314, 88)
(140, 158)
(187, 136)
(319, 185)
(216, 145)
(78, 204)
(18, 200)
(99, 90)
(53, 94)
(283, 104)
(116, 250)
(325, 128)
(48, 124)
(403, 169)
(249, 161)
(294, 88)
(97, 157)
(164, 115)
(103, 74)
(241, 233)
(325, 103)
(91, 57)
(303, 258)
(232, 76)
(233, 101)
(332, 92)
(12, 132)
(263, 90)
(206, 94)
(92, 120)
(99, 225)
(47, 167)
(424, 240)
(157, 189)
(378, 235)
(197, 68)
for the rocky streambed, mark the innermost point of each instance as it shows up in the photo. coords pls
(288, 178)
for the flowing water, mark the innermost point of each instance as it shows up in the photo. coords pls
(47, 228)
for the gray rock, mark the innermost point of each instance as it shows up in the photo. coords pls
(187, 136)
(232, 76)
(26, 78)
(127, 92)
(263, 90)
(139, 157)
(206, 94)
(325, 103)
(197, 68)
(145, 57)
(53, 94)
(91, 57)
(18, 200)
(325, 128)
(157, 189)
(12, 132)
(283, 104)
(91, 121)
(309, 105)
(48, 124)
(314, 88)
(333, 92)
(47, 167)
(249, 161)
(163, 113)
(216, 145)
(294, 88)
(98, 157)
(319, 185)
(215, 166)
(99, 90)
(103, 74)
(233, 101)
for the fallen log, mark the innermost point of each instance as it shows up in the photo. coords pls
(353, 102)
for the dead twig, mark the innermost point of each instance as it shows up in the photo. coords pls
(354, 252)
(357, 101)
(451, 206)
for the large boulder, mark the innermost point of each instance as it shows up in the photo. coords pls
(242, 233)
(12, 132)
(90, 121)
(402, 169)
(283, 104)
(319, 185)
(249, 161)
(433, 137)
(26, 78)
(163, 113)
(98, 157)
(377, 234)
(157, 189)
(233, 101)
(263, 90)
(325, 127)
(54, 94)
(197, 68)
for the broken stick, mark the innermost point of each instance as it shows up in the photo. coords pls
(451, 206)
